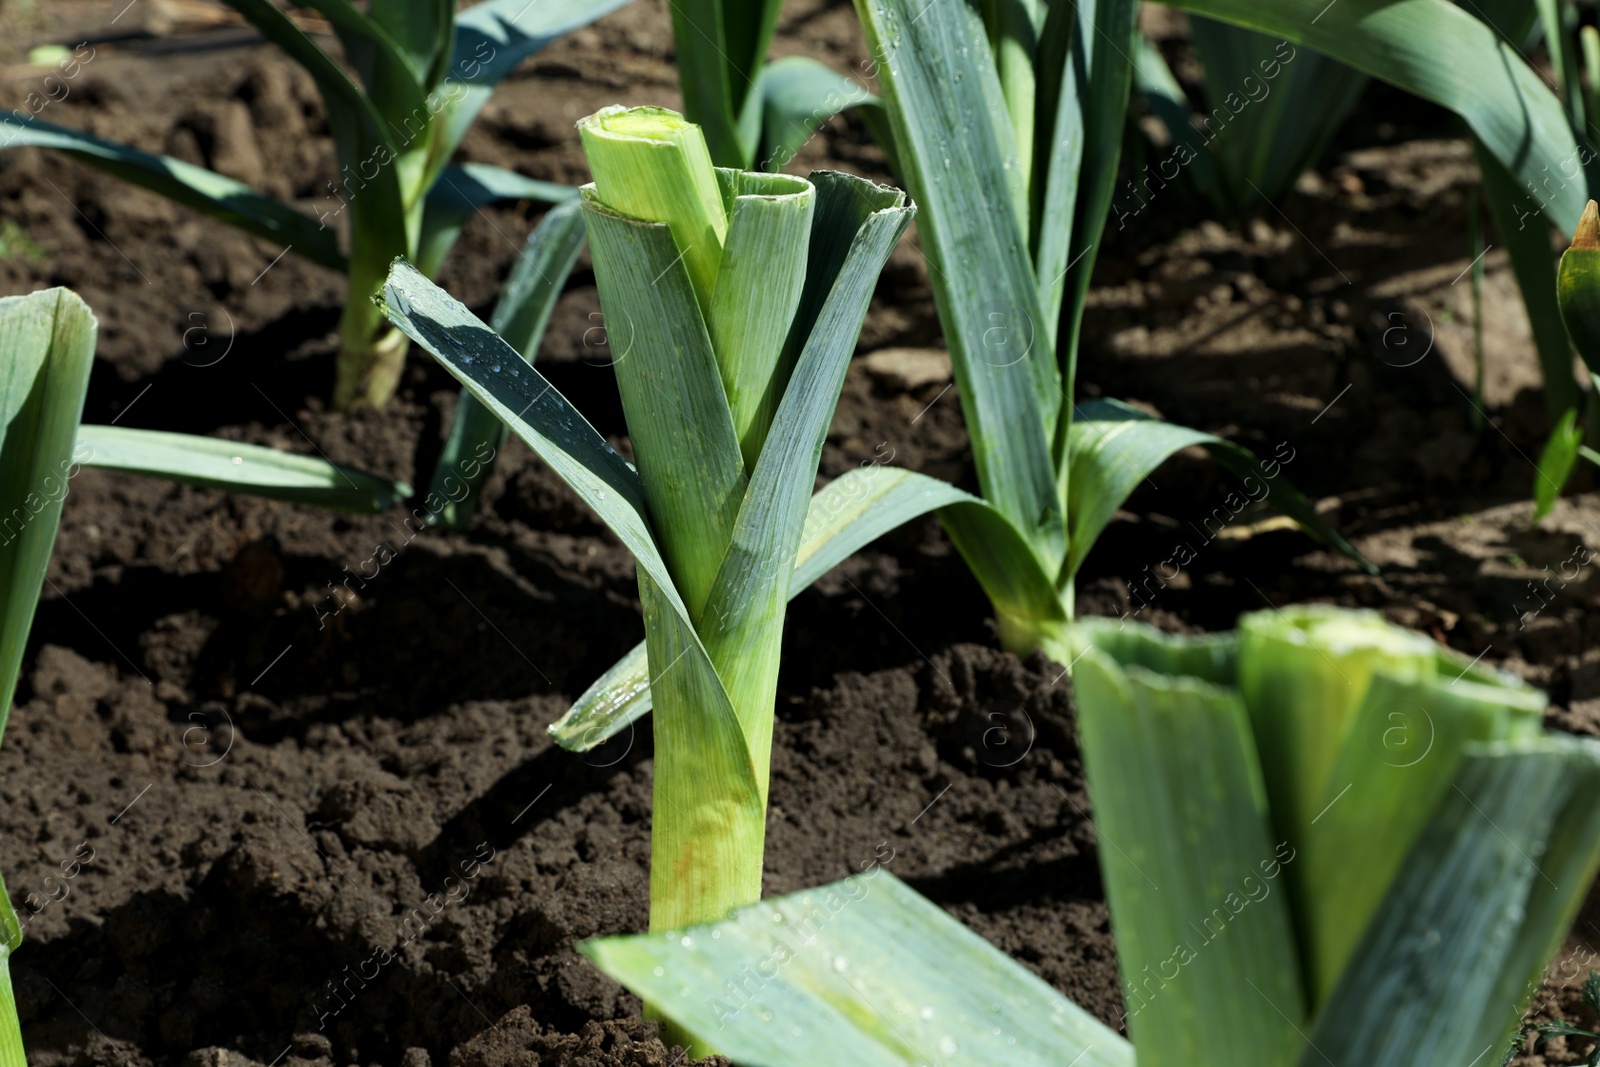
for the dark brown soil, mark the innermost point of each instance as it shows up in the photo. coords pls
(260, 801)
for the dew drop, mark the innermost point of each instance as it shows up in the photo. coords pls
(659, 972)
(948, 1046)
(687, 942)
(495, 368)
(716, 935)
(841, 964)
(238, 460)
(926, 1013)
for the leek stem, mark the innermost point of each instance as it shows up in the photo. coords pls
(630, 153)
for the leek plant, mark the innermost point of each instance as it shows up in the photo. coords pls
(1328, 842)
(742, 295)
(425, 72)
(1011, 152)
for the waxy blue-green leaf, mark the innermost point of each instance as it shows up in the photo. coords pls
(233, 467)
(1096, 83)
(863, 972)
(760, 279)
(1192, 870)
(955, 147)
(1272, 109)
(1115, 447)
(722, 45)
(798, 96)
(743, 623)
(464, 189)
(46, 347)
(1402, 752)
(207, 191)
(396, 87)
(845, 515)
(689, 463)
(1479, 906)
(520, 316)
(1484, 79)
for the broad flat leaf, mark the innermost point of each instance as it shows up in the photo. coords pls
(758, 287)
(46, 347)
(1401, 754)
(1205, 941)
(706, 74)
(743, 624)
(1556, 461)
(462, 190)
(520, 316)
(1526, 237)
(845, 515)
(864, 972)
(1440, 52)
(1116, 446)
(495, 36)
(690, 468)
(1274, 108)
(953, 141)
(422, 32)
(1102, 66)
(1482, 901)
(233, 467)
(207, 191)
(798, 96)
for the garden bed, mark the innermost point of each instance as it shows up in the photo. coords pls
(260, 789)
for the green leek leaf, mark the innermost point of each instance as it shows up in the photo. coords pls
(1526, 238)
(1440, 52)
(1556, 461)
(1402, 752)
(689, 463)
(1205, 941)
(1115, 446)
(46, 347)
(520, 316)
(744, 613)
(864, 971)
(232, 467)
(196, 187)
(464, 189)
(760, 278)
(1479, 905)
(956, 152)
(1271, 116)
(798, 96)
